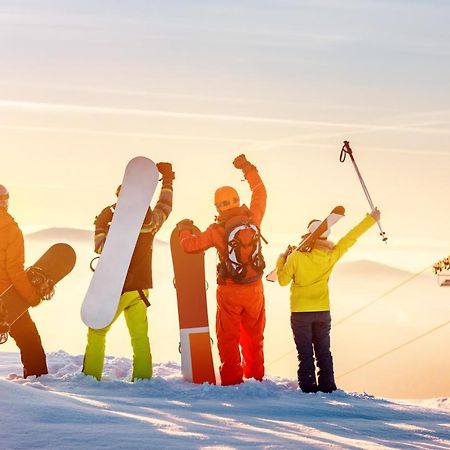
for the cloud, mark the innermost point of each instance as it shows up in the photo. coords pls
(94, 109)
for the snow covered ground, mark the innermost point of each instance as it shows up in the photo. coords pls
(66, 410)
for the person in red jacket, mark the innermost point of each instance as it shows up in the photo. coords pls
(12, 272)
(240, 318)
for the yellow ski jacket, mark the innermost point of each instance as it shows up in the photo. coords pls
(310, 272)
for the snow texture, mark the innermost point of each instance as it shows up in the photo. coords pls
(66, 409)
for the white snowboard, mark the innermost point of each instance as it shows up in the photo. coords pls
(103, 295)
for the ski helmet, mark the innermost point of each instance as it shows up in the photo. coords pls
(4, 197)
(314, 224)
(225, 198)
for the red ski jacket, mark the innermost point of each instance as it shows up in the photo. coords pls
(214, 235)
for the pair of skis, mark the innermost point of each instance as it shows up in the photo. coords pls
(307, 244)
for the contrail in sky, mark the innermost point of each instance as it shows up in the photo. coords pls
(87, 109)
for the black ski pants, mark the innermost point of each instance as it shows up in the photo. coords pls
(312, 339)
(27, 338)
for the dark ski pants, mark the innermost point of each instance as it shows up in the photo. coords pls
(312, 339)
(27, 338)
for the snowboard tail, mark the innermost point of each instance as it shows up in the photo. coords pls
(195, 342)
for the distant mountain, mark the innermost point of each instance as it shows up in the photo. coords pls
(61, 234)
(68, 234)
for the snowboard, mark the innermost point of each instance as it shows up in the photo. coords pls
(49, 269)
(307, 244)
(195, 342)
(102, 297)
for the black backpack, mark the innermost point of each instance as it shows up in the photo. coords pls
(242, 260)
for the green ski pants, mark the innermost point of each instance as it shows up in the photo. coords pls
(135, 312)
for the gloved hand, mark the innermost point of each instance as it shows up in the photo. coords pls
(36, 300)
(288, 251)
(165, 169)
(241, 162)
(4, 327)
(376, 214)
(185, 225)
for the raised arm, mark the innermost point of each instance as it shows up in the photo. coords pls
(259, 194)
(352, 236)
(156, 217)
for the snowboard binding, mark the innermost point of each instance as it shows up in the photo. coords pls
(4, 325)
(42, 282)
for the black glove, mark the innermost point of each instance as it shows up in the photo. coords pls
(165, 169)
(185, 225)
(240, 162)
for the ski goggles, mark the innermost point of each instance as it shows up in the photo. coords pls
(226, 203)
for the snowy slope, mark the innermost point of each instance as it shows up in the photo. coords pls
(67, 410)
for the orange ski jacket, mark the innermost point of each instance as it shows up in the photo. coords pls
(12, 258)
(214, 235)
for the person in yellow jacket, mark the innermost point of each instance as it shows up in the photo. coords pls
(308, 274)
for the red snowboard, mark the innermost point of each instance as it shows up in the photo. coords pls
(195, 343)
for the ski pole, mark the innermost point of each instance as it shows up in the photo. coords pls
(346, 150)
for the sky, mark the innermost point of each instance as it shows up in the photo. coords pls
(87, 85)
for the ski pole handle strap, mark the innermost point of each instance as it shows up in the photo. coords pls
(345, 149)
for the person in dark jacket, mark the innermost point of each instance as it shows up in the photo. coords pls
(133, 301)
(12, 272)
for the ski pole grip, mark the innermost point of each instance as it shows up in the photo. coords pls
(345, 149)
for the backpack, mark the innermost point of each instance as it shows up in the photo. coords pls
(242, 260)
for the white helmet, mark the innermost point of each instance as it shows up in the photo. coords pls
(314, 224)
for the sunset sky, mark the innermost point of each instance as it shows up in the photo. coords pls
(86, 85)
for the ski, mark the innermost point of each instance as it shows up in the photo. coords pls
(307, 244)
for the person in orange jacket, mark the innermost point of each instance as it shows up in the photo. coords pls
(12, 272)
(240, 318)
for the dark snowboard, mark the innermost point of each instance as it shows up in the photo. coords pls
(195, 344)
(50, 268)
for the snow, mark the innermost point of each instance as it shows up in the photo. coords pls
(66, 409)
